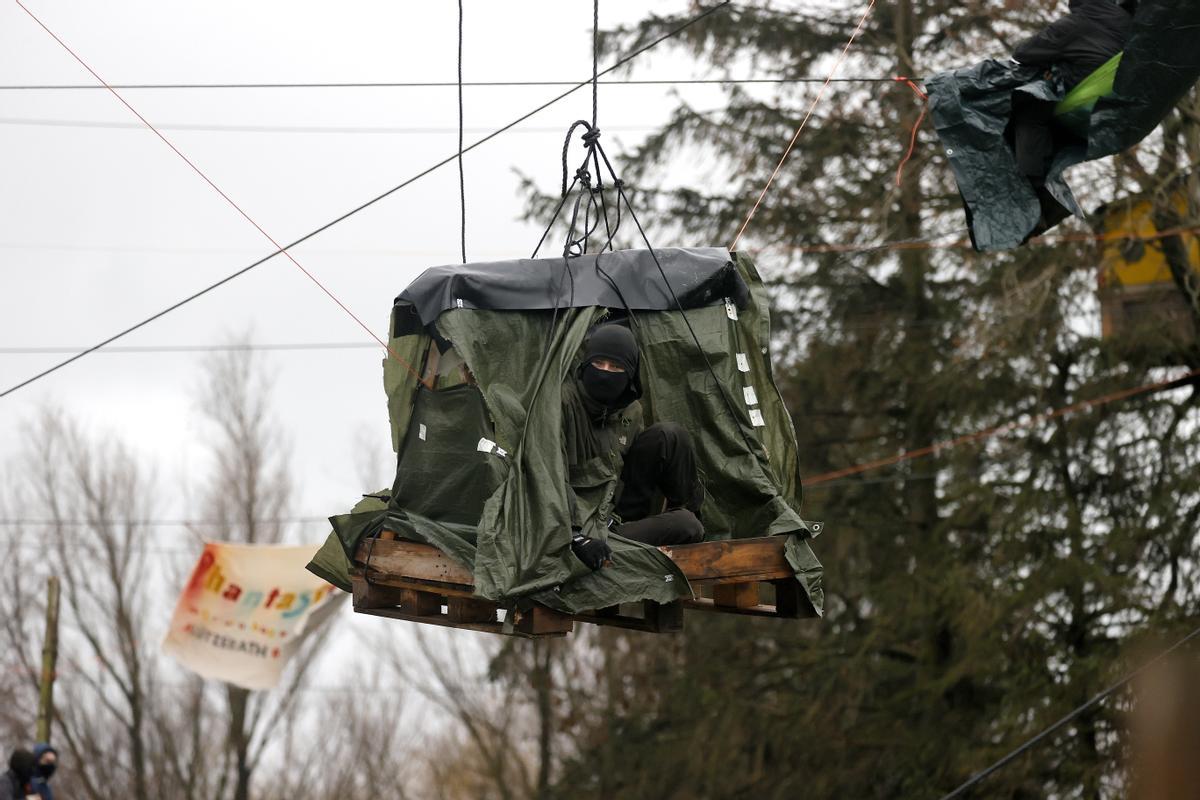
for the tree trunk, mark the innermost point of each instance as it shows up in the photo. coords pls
(239, 741)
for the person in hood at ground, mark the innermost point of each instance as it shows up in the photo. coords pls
(15, 784)
(47, 761)
(1069, 50)
(616, 469)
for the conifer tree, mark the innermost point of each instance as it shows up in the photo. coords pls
(972, 597)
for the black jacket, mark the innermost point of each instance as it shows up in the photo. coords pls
(12, 787)
(1080, 42)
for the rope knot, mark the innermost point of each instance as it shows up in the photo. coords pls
(589, 138)
(910, 83)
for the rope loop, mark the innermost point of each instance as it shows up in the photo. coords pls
(589, 140)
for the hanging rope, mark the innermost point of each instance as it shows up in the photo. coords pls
(595, 64)
(812, 107)
(462, 181)
(912, 142)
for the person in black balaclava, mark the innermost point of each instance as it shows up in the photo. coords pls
(1070, 49)
(615, 468)
(15, 784)
(47, 762)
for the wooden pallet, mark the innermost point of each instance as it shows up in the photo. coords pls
(419, 583)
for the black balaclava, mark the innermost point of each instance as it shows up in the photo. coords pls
(612, 390)
(22, 763)
(44, 770)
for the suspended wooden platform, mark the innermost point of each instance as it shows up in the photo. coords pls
(419, 583)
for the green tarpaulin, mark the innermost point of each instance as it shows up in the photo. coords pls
(481, 473)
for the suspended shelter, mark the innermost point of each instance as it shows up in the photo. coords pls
(1111, 110)
(1149, 280)
(475, 532)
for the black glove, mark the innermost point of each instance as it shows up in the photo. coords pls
(592, 552)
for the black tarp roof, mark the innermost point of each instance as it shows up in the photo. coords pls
(699, 276)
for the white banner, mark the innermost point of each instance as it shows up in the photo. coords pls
(245, 611)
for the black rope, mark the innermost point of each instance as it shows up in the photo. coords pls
(721, 389)
(980, 776)
(595, 63)
(447, 84)
(617, 65)
(462, 181)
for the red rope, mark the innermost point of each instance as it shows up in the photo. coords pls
(912, 142)
(226, 197)
(812, 107)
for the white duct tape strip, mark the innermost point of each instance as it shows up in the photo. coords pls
(488, 446)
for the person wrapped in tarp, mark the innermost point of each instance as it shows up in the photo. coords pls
(1091, 84)
(603, 438)
(578, 413)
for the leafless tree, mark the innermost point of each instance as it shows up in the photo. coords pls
(129, 723)
(88, 499)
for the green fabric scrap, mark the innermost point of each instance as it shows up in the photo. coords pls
(332, 561)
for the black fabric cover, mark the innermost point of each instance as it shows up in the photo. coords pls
(971, 107)
(1161, 63)
(700, 276)
(1078, 43)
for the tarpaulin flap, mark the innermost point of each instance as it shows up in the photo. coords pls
(626, 278)
(971, 109)
(442, 472)
(1161, 63)
(332, 562)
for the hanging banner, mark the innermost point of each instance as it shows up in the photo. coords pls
(245, 611)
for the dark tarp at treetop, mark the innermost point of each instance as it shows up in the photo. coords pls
(481, 471)
(971, 108)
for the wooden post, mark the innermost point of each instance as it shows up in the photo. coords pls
(49, 660)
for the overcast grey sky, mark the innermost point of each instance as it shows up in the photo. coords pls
(101, 226)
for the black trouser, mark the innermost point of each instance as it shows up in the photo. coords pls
(662, 460)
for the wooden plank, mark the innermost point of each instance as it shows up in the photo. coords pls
(732, 560)
(665, 617)
(444, 622)
(421, 604)
(413, 560)
(619, 621)
(372, 595)
(401, 582)
(729, 561)
(542, 620)
(790, 601)
(656, 618)
(736, 595)
(469, 609)
(704, 604)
